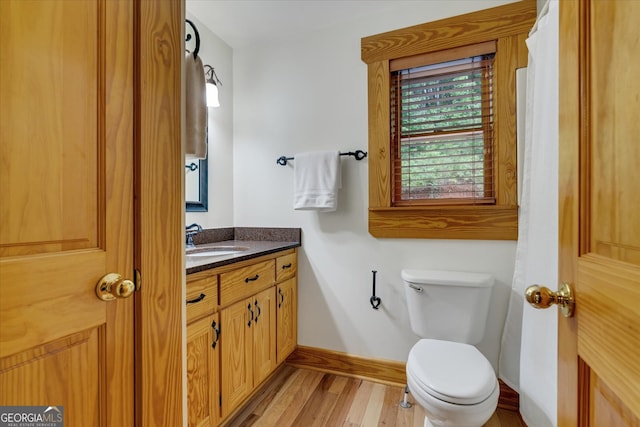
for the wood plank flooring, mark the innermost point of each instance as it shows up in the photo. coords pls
(301, 397)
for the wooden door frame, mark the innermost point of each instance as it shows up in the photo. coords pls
(159, 212)
(571, 152)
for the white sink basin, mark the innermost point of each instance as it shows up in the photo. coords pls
(214, 251)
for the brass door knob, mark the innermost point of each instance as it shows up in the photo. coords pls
(112, 286)
(542, 297)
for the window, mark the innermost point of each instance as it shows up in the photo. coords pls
(442, 125)
(442, 132)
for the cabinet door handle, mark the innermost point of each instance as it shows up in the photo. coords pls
(281, 297)
(195, 300)
(284, 267)
(216, 329)
(259, 311)
(250, 311)
(251, 279)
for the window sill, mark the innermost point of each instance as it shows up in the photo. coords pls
(445, 222)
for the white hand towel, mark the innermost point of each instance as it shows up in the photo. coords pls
(316, 180)
(195, 146)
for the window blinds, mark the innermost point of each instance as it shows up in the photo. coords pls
(442, 132)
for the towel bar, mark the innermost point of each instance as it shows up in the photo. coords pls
(358, 154)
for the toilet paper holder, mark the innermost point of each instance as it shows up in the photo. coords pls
(374, 300)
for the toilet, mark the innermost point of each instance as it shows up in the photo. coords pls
(446, 374)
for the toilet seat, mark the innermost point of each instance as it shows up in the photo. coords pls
(452, 372)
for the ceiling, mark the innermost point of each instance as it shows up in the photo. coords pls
(246, 22)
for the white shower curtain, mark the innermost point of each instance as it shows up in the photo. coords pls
(528, 358)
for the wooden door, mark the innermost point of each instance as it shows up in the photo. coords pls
(236, 359)
(264, 335)
(599, 359)
(203, 372)
(66, 197)
(287, 326)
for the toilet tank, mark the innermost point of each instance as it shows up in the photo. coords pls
(448, 305)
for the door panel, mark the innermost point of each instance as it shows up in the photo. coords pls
(61, 373)
(49, 80)
(608, 341)
(66, 203)
(606, 407)
(614, 227)
(42, 298)
(599, 365)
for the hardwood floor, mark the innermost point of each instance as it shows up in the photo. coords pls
(301, 397)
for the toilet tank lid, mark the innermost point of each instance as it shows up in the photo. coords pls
(449, 278)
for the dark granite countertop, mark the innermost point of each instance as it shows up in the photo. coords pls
(258, 241)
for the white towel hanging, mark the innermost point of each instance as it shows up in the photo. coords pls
(316, 181)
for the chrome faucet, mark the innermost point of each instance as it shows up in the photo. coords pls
(192, 230)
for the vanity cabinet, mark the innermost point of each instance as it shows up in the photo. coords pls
(203, 350)
(287, 319)
(237, 357)
(243, 282)
(202, 295)
(286, 266)
(203, 363)
(264, 335)
(287, 305)
(248, 347)
(241, 324)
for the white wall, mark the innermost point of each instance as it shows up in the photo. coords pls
(218, 54)
(310, 93)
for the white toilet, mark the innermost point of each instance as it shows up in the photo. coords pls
(446, 374)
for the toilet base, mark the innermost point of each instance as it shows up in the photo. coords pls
(427, 423)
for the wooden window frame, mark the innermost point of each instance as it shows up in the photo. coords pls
(508, 26)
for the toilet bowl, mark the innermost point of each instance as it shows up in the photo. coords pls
(446, 374)
(453, 382)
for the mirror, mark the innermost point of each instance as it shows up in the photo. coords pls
(196, 189)
(196, 177)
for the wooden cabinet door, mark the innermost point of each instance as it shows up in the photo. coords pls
(66, 207)
(599, 241)
(203, 372)
(264, 335)
(236, 360)
(287, 315)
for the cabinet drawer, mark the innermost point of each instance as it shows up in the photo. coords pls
(286, 266)
(245, 281)
(202, 297)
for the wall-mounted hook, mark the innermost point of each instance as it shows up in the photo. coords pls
(374, 300)
(197, 37)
